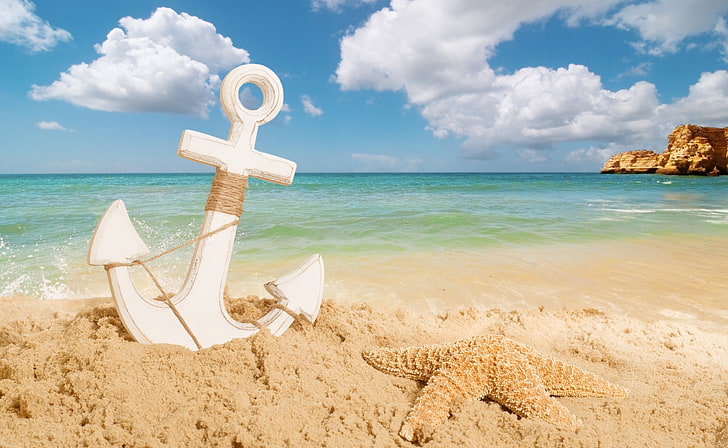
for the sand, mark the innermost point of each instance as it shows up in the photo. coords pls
(70, 375)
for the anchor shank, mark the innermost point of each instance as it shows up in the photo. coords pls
(211, 258)
(200, 300)
(227, 193)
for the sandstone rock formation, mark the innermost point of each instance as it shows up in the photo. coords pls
(691, 149)
(632, 162)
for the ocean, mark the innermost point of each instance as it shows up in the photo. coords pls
(384, 237)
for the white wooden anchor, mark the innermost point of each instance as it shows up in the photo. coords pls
(196, 317)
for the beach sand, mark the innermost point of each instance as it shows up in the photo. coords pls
(646, 316)
(71, 376)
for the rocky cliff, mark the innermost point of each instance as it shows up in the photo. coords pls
(632, 162)
(691, 149)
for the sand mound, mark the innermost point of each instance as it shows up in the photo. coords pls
(72, 378)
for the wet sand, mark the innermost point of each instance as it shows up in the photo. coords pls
(647, 279)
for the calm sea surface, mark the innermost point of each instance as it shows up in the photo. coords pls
(46, 221)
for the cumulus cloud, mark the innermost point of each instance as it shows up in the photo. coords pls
(167, 63)
(437, 53)
(665, 24)
(706, 100)
(309, 107)
(416, 44)
(20, 26)
(51, 126)
(704, 104)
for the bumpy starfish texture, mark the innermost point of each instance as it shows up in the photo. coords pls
(512, 374)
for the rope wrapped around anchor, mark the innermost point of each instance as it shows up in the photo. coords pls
(227, 193)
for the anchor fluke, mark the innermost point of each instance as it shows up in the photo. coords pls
(115, 239)
(301, 291)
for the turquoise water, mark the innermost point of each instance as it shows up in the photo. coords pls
(47, 220)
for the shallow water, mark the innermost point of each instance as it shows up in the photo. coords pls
(420, 240)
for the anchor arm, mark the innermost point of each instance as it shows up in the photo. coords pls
(229, 156)
(272, 168)
(203, 148)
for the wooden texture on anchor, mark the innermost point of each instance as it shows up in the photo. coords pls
(200, 319)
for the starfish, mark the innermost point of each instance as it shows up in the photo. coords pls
(510, 373)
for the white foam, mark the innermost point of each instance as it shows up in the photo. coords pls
(14, 286)
(53, 290)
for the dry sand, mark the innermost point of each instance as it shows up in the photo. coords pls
(71, 376)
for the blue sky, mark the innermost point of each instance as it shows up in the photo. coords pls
(370, 85)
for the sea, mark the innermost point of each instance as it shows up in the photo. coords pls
(380, 232)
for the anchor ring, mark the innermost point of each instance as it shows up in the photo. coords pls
(268, 83)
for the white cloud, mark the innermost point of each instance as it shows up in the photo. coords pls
(309, 107)
(437, 53)
(187, 35)
(595, 154)
(641, 69)
(532, 155)
(381, 159)
(417, 45)
(251, 98)
(336, 5)
(166, 63)
(51, 126)
(706, 101)
(664, 24)
(19, 25)
(384, 162)
(286, 110)
(721, 30)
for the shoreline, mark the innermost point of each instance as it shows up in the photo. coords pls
(684, 280)
(667, 277)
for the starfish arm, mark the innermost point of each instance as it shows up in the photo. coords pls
(433, 404)
(415, 363)
(519, 388)
(566, 380)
